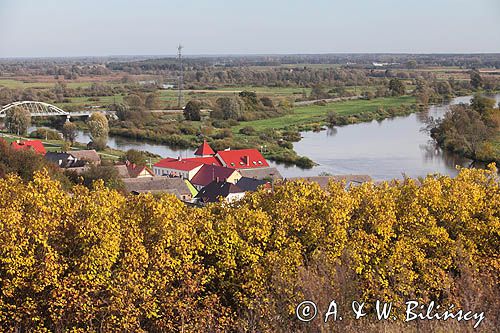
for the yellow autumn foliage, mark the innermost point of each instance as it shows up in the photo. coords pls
(98, 261)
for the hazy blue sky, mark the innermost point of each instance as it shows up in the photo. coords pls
(127, 27)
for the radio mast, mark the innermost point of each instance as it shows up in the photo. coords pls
(181, 76)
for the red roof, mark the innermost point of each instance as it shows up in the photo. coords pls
(176, 164)
(243, 159)
(204, 149)
(212, 160)
(36, 145)
(209, 173)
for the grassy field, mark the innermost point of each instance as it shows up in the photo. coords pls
(20, 84)
(317, 114)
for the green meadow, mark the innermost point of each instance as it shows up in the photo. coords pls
(311, 114)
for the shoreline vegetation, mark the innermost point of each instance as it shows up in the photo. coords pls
(472, 131)
(247, 102)
(285, 128)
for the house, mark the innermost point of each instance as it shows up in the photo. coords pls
(157, 185)
(270, 173)
(209, 173)
(177, 167)
(219, 189)
(208, 165)
(90, 156)
(131, 170)
(64, 160)
(35, 145)
(242, 159)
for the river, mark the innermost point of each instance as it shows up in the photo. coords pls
(383, 149)
(387, 149)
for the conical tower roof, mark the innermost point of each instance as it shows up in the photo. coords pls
(204, 150)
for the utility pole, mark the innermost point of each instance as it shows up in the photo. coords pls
(181, 76)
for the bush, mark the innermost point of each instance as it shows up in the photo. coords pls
(45, 134)
(247, 130)
(225, 133)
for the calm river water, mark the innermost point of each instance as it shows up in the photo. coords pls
(384, 150)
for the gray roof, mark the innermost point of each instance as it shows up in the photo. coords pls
(64, 160)
(176, 186)
(122, 170)
(250, 184)
(324, 180)
(88, 155)
(216, 189)
(261, 173)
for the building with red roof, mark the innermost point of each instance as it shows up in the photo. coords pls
(204, 150)
(209, 166)
(177, 167)
(35, 145)
(242, 159)
(209, 173)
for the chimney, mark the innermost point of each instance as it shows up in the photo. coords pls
(246, 160)
(179, 158)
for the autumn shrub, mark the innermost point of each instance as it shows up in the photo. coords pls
(89, 260)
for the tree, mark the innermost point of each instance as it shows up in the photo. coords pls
(317, 92)
(108, 174)
(135, 156)
(396, 87)
(267, 102)
(134, 102)
(69, 132)
(411, 64)
(152, 101)
(476, 81)
(462, 130)
(98, 260)
(192, 111)
(230, 107)
(122, 111)
(481, 103)
(249, 96)
(17, 120)
(99, 128)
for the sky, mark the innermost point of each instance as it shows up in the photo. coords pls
(55, 28)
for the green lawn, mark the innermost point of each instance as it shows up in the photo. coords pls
(317, 114)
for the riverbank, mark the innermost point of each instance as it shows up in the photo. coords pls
(471, 131)
(274, 136)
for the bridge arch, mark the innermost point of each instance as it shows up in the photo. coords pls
(36, 109)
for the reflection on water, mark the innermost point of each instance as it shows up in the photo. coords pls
(384, 150)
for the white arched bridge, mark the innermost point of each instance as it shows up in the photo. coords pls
(42, 109)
